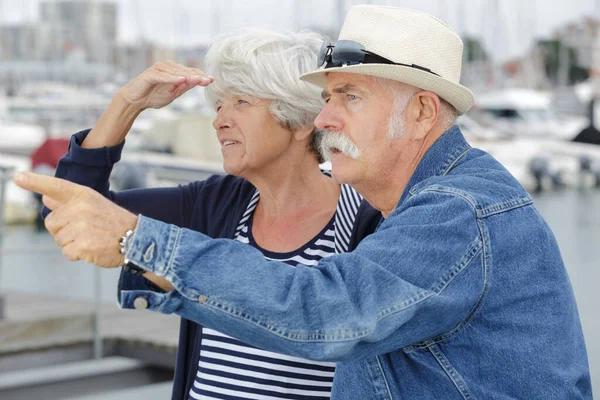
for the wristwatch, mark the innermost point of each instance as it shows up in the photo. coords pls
(127, 265)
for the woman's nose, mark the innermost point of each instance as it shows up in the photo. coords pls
(222, 121)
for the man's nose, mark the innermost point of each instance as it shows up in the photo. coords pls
(329, 119)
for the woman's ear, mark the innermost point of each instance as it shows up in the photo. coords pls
(302, 133)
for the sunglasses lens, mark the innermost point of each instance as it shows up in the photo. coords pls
(347, 52)
(323, 53)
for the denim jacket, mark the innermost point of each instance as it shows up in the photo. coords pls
(461, 293)
(213, 206)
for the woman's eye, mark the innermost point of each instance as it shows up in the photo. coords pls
(240, 101)
(218, 108)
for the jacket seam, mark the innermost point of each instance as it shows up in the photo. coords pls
(343, 335)
(440, 285)
(504, 207)
(451, 191)
(452, 373)
(476, 307)
(480, 212)
(453, 163)
(384, 378)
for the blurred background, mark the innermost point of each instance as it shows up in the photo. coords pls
(534, 68)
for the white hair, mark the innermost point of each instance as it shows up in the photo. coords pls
(447, 115)
(267, 64)
(396, 123)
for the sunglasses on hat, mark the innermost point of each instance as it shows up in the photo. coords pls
(349, 52)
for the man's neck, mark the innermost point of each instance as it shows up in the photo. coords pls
(385, 193)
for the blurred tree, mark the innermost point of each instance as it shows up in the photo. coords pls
(551, 51)
(474, 50)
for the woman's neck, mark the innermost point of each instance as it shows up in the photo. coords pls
(294, 187)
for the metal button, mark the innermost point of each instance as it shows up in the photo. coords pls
(140, 303)
(202, 298)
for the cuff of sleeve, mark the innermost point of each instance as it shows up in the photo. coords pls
(100, 157)
(165, 303)
(129, 281)
(152, 245)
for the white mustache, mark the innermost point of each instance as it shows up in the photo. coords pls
(337, 140)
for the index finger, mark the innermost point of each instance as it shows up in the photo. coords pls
(59, 189)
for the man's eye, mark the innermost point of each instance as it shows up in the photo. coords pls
(352, 97)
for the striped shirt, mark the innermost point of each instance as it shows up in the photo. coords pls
(231, 369)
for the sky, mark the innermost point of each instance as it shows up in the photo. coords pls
(508, 27)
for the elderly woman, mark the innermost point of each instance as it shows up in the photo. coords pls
(274, 196)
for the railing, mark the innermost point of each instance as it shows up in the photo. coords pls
(161, 169)
(6, 174)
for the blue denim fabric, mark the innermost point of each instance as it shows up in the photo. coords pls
(461, 293)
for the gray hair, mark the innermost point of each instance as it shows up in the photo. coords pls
(448, 113)
(267, 64)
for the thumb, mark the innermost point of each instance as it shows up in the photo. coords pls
(58, 189)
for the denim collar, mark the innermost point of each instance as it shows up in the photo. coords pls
(439, 159)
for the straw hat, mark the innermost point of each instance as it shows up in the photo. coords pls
(407, 37)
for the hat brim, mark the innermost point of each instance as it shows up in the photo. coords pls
(457, 95)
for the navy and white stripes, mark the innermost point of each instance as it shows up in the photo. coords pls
(249, 210)
(345, 214)
(231, 369)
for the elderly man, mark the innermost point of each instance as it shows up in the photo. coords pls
(461, 293)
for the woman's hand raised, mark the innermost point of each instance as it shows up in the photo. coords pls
(162, 83)
(156, 87)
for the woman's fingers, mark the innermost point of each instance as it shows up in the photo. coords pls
(205, 81)
(178, 69)
(165, 81)
(182, 88)
(156, 77)
(193, 76)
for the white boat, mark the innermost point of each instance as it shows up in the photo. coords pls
(19, 205)
(476, 132)
(20, 138)
(61, 109)
(519, 128)
(525, 113)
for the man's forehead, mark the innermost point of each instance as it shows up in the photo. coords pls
(343, 78)
(338, 82)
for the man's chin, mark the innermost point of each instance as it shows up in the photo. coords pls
(341, 169)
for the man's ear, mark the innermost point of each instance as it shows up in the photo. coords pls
(428, 104)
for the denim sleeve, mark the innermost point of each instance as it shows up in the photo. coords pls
(419, 276)
(92, 168)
